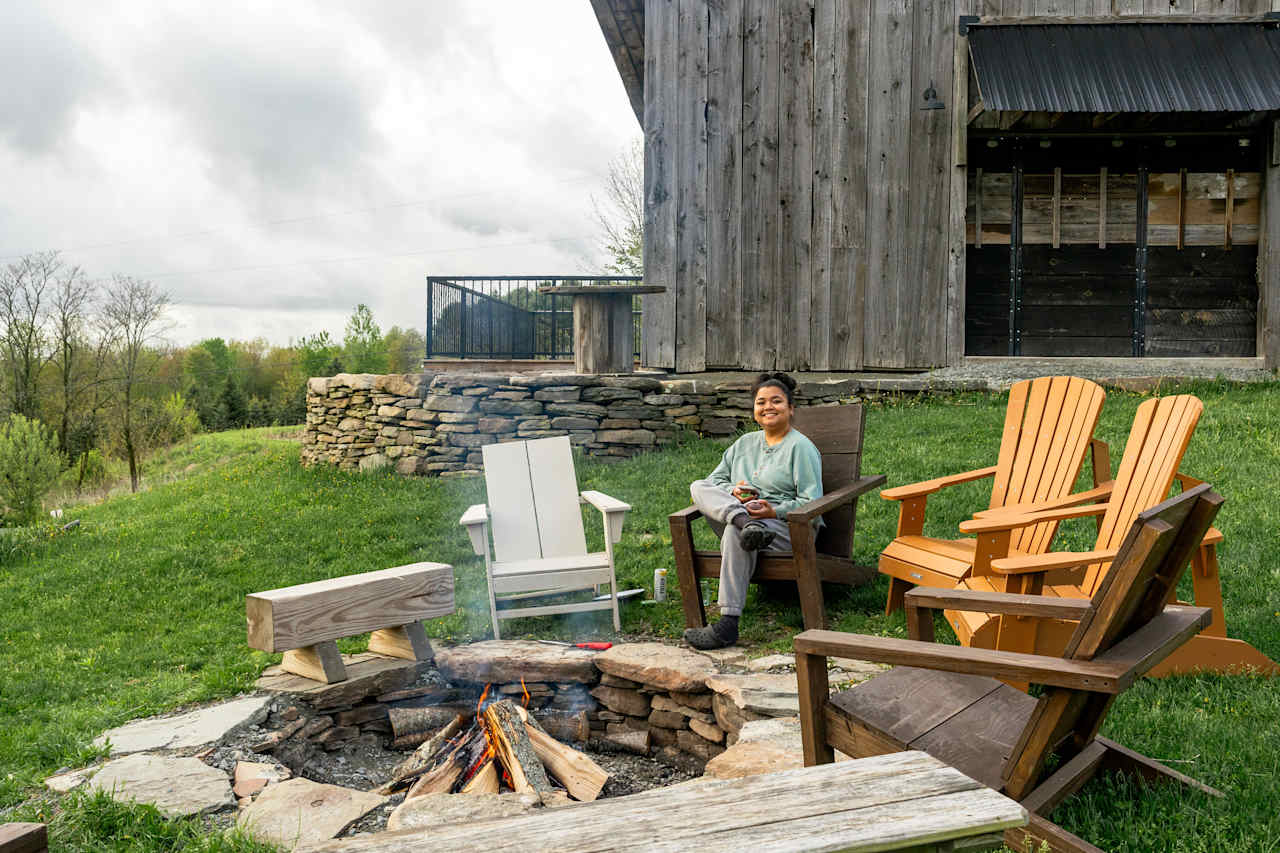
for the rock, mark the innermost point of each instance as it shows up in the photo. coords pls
(184, 731)
(608, 395)
(848, 669)
(367, 675)
(577, 410)
(697, 701)
(448, 403)
(373, 462)
(354, 381)
(547, 380)
(659, 736)
(402, 384)
(767, 695)
(622, 701)
(642, 437)
(697, 745)
(658, 665)
(559, 394)
(639, 383)
(445, 809)
(178, 787)
(69, 781)
(729, 716)
(665, 703)
(300, 811)
(250, 777)
(710, 732)
(505, 661)
(666, 719)
(768, 662)
(615, 681)
(567, 422)
(635, 741)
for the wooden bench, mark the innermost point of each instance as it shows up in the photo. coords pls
(904, 801)
(303, 621)
(23, 838)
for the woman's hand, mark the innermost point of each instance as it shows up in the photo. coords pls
(760, 508)
(744, 492)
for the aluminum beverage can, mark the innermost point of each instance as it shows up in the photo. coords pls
(659, 584)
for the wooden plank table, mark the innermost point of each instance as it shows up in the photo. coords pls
(905, 800)
(603, 328)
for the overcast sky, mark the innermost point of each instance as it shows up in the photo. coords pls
(270, 165)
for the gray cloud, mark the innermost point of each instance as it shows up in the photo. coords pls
(47, 73)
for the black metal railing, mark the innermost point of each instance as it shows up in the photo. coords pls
(505, 317)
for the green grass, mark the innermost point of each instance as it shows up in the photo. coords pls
(141, 608)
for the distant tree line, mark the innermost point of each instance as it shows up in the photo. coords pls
(86, 376)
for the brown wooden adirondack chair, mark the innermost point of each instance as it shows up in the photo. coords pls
(1048, 426)
(1161, 431)
(813, 559)
(949, 700)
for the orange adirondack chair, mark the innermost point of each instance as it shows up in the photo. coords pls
(1048, 426)
(1161, 430)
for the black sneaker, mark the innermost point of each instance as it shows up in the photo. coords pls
(756, 537)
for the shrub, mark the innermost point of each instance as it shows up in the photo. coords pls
(29, 467)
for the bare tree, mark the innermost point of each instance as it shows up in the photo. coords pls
(134, 312)
(78, 363)
(620, 215)
(24, 343)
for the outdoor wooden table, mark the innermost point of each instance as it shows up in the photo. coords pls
(603, 329)
(905, 800)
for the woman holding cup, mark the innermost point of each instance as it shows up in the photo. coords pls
(760, 478)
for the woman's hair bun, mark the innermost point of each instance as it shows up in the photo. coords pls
(782, 380)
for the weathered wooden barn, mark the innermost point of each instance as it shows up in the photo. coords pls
(880, 184)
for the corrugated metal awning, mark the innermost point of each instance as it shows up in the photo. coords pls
(1128, 67)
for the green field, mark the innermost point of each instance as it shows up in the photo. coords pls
(140, 609)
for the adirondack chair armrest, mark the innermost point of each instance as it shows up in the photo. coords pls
(1155, 641)
(613, 510)
(997, 523)
(685, 516)
(476, 520)
(1033, 563)
(928, 487)
(839, 497)
(1100, 492)
(924, 598)
(1051, 670)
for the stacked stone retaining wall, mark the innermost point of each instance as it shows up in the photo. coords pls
(435, 424)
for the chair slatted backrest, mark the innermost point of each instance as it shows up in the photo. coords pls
(1158, 545)
(837, 433)
(533, 500)
(1047, 428)
(1162, 429)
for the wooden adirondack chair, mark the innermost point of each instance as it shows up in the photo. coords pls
(1048, 427)
(837, 433)
(539, 545)
(948, 701)
(1161, 431)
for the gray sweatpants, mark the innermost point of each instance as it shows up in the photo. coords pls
(737, 564)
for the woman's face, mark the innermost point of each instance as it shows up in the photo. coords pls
(772, 411)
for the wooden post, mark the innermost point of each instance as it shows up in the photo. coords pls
(603, 329)
(1102, 208)
(319, 662)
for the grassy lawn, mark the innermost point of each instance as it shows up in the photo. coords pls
(141, 608)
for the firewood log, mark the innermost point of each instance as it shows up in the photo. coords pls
(581, 776)
(485, 780)
(511, 742)
(420, 760)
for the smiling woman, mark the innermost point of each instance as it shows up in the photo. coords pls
(761, 477)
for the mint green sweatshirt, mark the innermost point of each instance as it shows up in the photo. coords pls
(788, 475)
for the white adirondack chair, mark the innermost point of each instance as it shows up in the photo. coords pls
(539, 546)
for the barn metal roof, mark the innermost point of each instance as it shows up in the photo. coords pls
(1128, 67)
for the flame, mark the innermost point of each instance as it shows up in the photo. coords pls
(480, 703)
(524, 704)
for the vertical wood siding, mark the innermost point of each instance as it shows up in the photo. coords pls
(802, 209)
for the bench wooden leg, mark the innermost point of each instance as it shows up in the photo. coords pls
(403, 641)
(23, 838)
(896, 599)
(320, 662)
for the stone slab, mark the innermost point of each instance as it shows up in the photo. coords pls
(763, 746)
(69, 781)
(178, 787)
(622, 701)
(368, 674)
(300, 811)
(447, 809)
(505, 661)
(185, 731)
(728, 658)
(771, 662)
(658, 665)
(250, 777)
(772, 695)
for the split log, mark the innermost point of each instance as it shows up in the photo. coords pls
(485, 780)
(581, 776)
(420, 760)
(636, 741)
(511, 742)
(412, 721)
(437, 781)
(571, 728)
